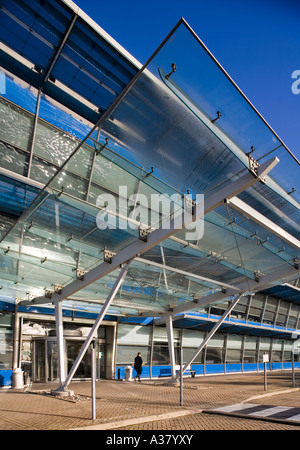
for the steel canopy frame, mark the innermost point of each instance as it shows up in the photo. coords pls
(250, 286)
(134, 250)
(231, 189)
(233, 303)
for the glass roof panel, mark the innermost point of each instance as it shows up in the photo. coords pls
(38, 27)
(160, 139)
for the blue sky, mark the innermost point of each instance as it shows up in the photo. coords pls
(256, 41)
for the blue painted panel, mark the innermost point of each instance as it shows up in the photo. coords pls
(287, 365)
(276, 366)
(120, 372)
(5, 377)
(247, 367)
(165, 371)
(233, 368)
(214, 368)
(261, 366)
(161, 371)
(199, 368)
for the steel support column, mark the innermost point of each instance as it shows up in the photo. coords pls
(169, 326)
(60, 342)
(212, 332)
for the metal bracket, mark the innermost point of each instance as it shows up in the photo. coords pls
(80, 274)
(108, 256)
(149, 173)
(296, 263)
(219, 115)
(189, 205)
(231, 222)
(291, 191)
(173, 65)
(60, 193)
(69, 239)
(48, 293)
(253, 167)
(143, 234)
(99, 147)
(58, 288)
(27, 228)
(256, 276)
(262, 242)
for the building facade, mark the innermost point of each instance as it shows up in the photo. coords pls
(80, 119)
(266, 325)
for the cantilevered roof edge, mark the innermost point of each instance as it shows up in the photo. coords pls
(80, 13)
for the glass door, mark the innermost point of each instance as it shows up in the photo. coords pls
(40, 361)
(46, 359)
(52, 360)
(84, 368)
(101, 366)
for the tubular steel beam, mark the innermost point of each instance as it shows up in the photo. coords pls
(96, 325)
(259, 218)
(60, 342)
(157, 236)
(211, 333)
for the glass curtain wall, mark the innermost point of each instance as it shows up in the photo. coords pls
(224, 353)
(6, 341)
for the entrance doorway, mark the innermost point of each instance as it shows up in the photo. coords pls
(45, 367)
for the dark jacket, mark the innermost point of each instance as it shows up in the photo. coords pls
(138, 364)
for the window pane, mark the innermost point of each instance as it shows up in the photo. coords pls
(160, 334)
(15, 125)
(234, 341)
(192, 338)
(188, 353)
(250, 356)
(265, 344)
(234, 356)
(134, 334)
(42, 171)
(127, 353)
(214, 356)
(52, 144)
(216, 341)
(277, 344)
(251, 343)
(160, 355)
(13, 159)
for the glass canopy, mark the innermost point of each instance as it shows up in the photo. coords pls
(183, 129)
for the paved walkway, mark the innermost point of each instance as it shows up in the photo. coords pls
(151, 405)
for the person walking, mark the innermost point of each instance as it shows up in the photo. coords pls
(138, 366)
